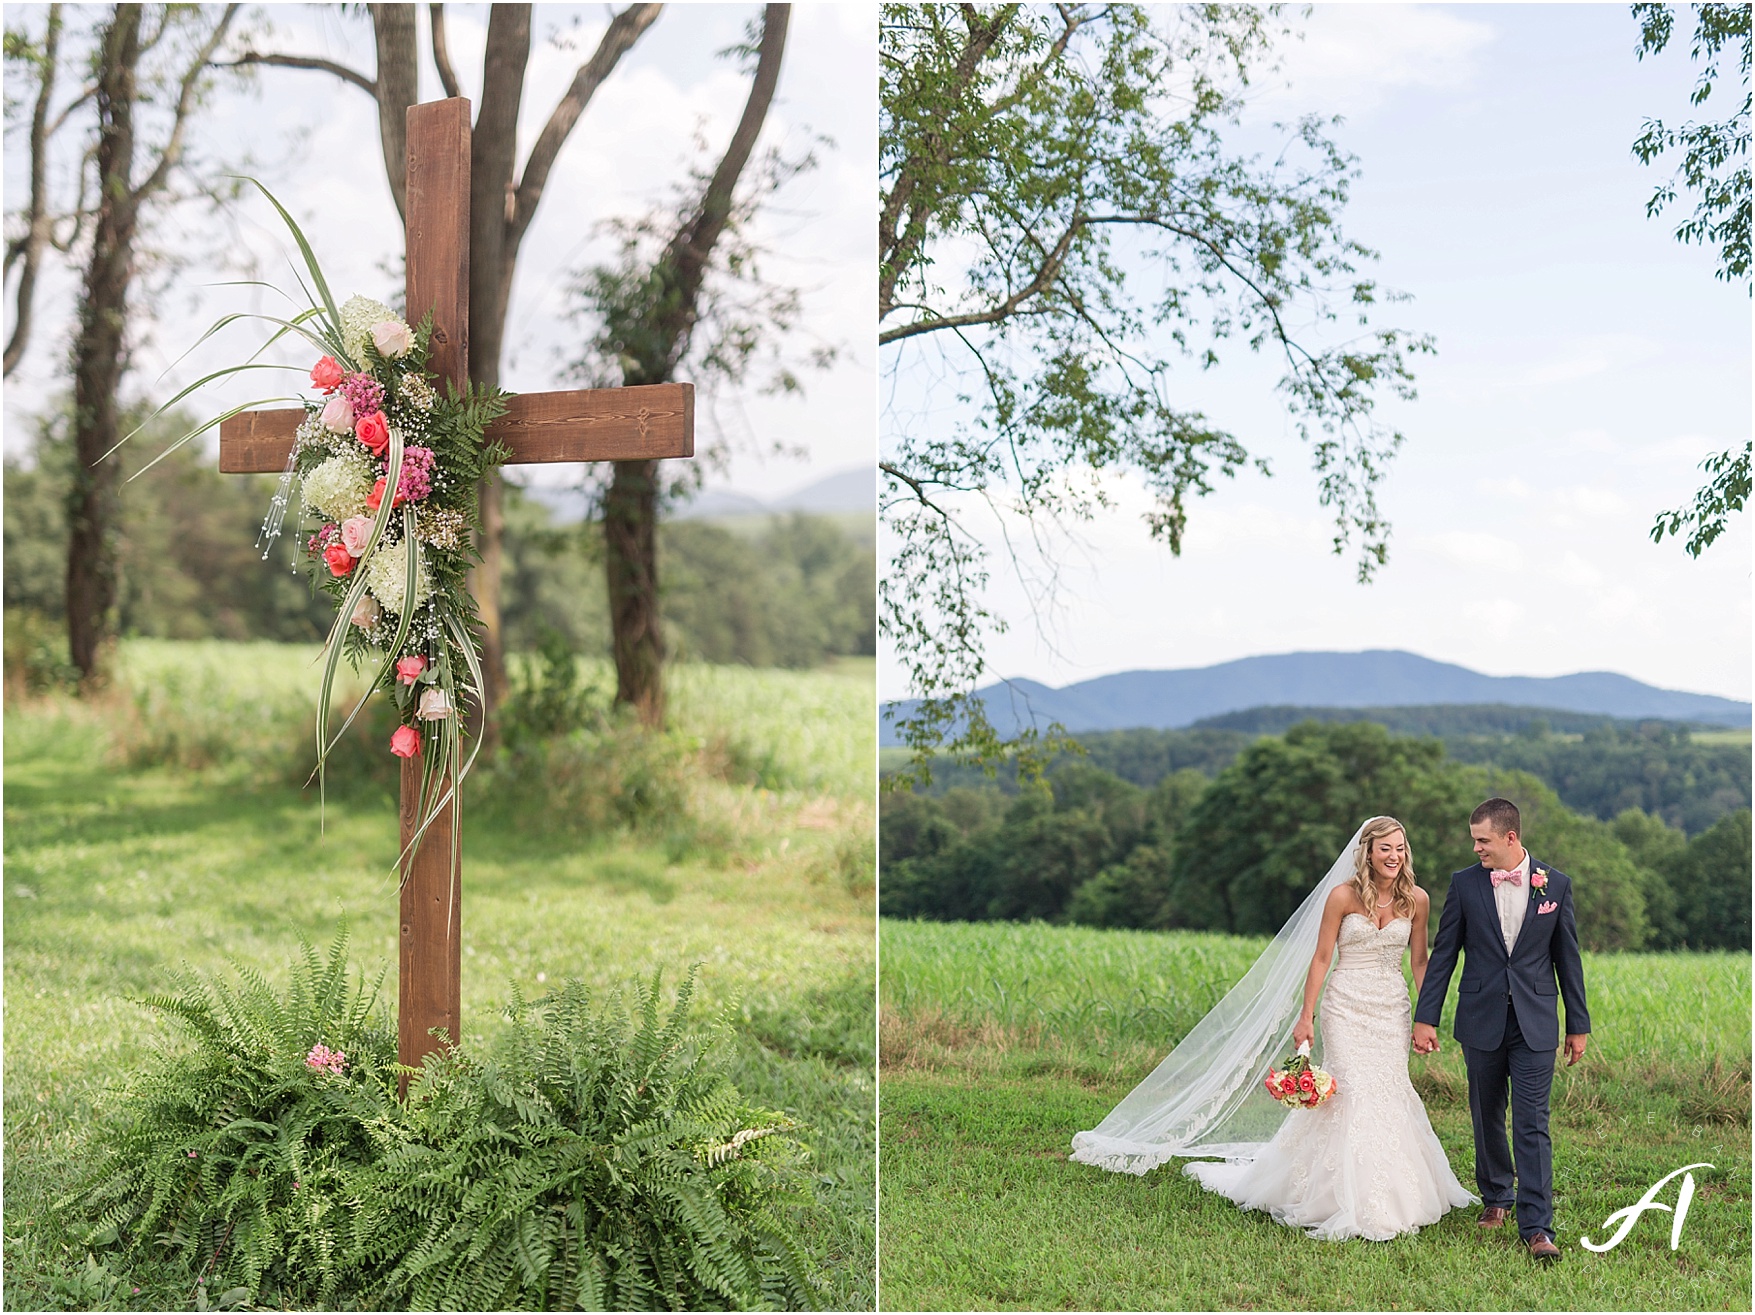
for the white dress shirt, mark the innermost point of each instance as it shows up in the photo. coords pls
(1513, 902)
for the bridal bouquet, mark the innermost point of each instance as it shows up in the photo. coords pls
(1300, 1084)
(386, 469)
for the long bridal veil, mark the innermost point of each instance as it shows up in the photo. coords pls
(1207, 1097)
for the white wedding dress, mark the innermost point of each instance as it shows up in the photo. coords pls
(1366, 1162)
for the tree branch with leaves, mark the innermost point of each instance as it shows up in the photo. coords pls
(1715, 169)
(1039, 166)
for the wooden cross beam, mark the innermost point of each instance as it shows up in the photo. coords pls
(593, 424)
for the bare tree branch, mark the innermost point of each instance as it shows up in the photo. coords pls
(359, 80)
(30, 247)
(624, 30)
(691, 248)
(442, 52)
(72, 105)
(173, 149)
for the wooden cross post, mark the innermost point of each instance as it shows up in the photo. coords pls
(593, 424)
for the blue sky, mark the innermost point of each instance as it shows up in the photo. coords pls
(315, 144)
(1586, 363)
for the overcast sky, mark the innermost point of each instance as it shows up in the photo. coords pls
(1586, 362)
(316, 143)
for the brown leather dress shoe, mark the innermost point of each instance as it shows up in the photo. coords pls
(1542, 1248)
(1493, 1216)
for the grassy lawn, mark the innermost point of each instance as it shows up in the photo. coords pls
(1000, 1041)
(115, 875)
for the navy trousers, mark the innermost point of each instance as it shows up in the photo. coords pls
(1528, 1076)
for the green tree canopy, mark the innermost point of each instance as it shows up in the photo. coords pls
(1271, 824)
(1065, 217)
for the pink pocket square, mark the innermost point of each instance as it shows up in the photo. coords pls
(1546, 906)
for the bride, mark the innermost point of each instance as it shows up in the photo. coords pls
(1365, 1163)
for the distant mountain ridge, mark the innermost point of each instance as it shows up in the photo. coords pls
(847, 490)
(1168, 700)
(844, 491)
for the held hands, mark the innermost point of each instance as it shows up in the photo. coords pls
(1426, 1039)
(1575, 1044)
(1303, 1031)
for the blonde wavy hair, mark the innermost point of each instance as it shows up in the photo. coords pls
(1365, 879)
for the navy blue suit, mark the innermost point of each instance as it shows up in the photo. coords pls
(1508, 1024)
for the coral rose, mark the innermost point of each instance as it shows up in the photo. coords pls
(339, 558)
(337, 415)
(405, 743)
(408, 669)
(326, 375)
(374, 432)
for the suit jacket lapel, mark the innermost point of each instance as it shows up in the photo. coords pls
(1483, 883)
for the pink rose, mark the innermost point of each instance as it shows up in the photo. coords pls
(408, 669)
(366, 612)
(356, 534)
(338, 415)
(374, 432)
(405, 743)
(339, 558)
(326, 375)
(1306, 1083)
(391, 338)
(434, 705)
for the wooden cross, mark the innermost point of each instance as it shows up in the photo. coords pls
(593, 424)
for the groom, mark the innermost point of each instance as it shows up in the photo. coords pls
(1512, 919)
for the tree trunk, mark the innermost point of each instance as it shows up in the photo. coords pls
(630, 538)
(98, 354)
(29, 248)
(630, 510)
(492, 258)
(398, 73)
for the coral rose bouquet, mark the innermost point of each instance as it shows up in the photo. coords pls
(385, 468)
(1299, 1084)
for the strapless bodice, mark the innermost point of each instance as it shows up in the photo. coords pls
(1363, 944)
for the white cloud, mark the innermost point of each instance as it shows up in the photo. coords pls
(1354, 57)
(1473, 550)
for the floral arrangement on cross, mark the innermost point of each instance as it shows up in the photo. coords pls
(394, 559)
(387, 470)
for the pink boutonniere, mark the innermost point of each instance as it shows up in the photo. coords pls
(1538, 881)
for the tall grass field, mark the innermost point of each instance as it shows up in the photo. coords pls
(167, 824)
(999, 1041)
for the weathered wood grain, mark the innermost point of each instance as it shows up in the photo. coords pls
(429, 961)
(594, 424)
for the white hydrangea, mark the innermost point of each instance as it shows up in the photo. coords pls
(338, 487)
(387, 577)
(358, 315)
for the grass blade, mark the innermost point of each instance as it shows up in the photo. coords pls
(304, 250)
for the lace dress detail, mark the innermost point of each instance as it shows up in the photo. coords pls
(1365, 1163)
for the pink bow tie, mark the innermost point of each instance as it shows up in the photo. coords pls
(1515, 877)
